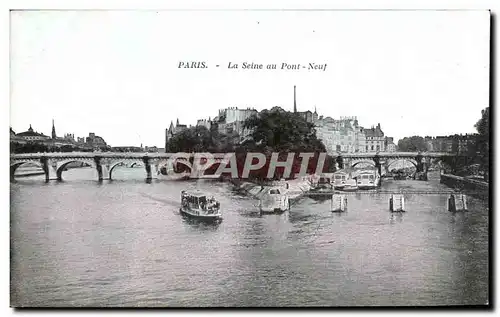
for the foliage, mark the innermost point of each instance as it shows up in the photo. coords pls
(412, 144)
(279, 130)
(35, 147)
(482, 144)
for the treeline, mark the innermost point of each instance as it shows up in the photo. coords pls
(467, 160)
(35, 147)
(273, 131)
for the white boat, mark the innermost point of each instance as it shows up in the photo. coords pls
(339, 179)
(367, 179)
(350, 185)
(274, 200)
(195, 204)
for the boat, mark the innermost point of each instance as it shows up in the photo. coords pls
(324, 185)
(339, 179)
(367, 179)
(274, 200)
(195, 204)
(350, 186)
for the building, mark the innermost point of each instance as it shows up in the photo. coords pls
(33, 136)
(173, 130)
(309, 116)
(344, 135)
(204, 123)
(375, 140)
(451, 144)
(95, 141)
(389, 144)
(230, 121)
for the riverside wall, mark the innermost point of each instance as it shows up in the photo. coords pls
(475, 187)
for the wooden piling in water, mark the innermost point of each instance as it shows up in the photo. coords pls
(397, 203)
(338, 203)
(457, 203)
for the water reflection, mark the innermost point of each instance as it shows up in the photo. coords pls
(124, 242)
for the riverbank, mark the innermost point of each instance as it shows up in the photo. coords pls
(477, 187)
(293, 188)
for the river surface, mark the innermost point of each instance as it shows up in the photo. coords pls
(123, 243)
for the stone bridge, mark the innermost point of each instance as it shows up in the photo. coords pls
(383, 160)
(54, 164)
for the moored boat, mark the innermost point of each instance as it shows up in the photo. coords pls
(367, 179)
(340, 178)
(350, 186)
(195, 204)
(274, 200)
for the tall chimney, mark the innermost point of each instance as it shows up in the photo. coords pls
(294, 99)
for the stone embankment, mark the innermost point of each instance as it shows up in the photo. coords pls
(474, 186)
(293, 188)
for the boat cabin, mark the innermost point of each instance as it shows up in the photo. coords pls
(340, 178)
(199, 201)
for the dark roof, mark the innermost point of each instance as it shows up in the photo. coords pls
(31, 133)
(374, 132)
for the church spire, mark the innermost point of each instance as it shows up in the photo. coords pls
(294, 99)
(53, 130)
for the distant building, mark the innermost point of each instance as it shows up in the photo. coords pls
(344, 135)
(204, 123)
(95, 141)
(173, 130)
(451, 144)
(375, 140)
(389, 144)
(309, 116)
(231, 121)
(33, 136)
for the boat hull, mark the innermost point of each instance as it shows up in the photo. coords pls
(349, 189)
(208, 218)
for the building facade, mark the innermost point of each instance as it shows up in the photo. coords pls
(451, 144)
(344, 135)
(173, 130)
(375, 139)
(230, 121)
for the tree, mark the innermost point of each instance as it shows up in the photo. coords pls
(412, 144)
(482, 143)
(277, 130)
(193, 139)
(281, 130)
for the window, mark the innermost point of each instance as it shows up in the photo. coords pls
(378, 147)
(367, 148)
(372, 147)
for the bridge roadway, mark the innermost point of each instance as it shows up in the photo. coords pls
(54, 164)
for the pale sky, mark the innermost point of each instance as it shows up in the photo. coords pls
(115, 73)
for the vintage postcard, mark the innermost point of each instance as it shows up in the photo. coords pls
(250, 158)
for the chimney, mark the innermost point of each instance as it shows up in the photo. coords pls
(294, 99)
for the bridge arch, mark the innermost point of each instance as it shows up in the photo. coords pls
(14, 166)
(399, 159)
(121, 163)
(371, 162)
(61, 166)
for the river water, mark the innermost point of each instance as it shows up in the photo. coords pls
(123, 243)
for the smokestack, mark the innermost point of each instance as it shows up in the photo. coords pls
(294, 99)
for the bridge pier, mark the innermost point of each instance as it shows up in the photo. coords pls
(147, 166)
(98, 166)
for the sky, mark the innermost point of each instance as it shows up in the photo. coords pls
(116, 73)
